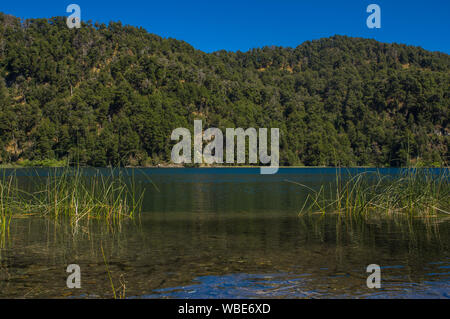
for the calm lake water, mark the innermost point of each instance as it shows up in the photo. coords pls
(227, 233)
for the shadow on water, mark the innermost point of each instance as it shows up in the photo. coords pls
(228, 236)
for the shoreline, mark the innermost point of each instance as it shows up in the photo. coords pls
(167, 166)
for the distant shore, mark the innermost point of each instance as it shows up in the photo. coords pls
(61, 164)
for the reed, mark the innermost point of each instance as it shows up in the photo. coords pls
(67, 193)
(121, 279)
(415, 192)
(7, 203)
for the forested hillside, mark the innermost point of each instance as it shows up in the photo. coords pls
(112, 94)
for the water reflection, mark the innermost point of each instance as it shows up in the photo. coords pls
(223, 236)
(231, 255)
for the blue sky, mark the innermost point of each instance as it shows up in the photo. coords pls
(211, 25)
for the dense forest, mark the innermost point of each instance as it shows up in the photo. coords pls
(112, 94)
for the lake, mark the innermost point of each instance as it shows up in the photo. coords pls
(227, 233)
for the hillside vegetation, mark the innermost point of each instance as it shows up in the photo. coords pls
(112, 94)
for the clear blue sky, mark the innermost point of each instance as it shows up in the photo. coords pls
(211, 25)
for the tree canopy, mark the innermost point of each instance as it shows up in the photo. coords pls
(112, 94)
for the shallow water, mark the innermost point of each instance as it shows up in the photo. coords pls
(228, 233)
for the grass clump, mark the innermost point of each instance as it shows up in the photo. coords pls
(415, 192)
(68, 193)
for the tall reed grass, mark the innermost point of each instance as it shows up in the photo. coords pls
(67, 193)
(7, 185)
(415, 192)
